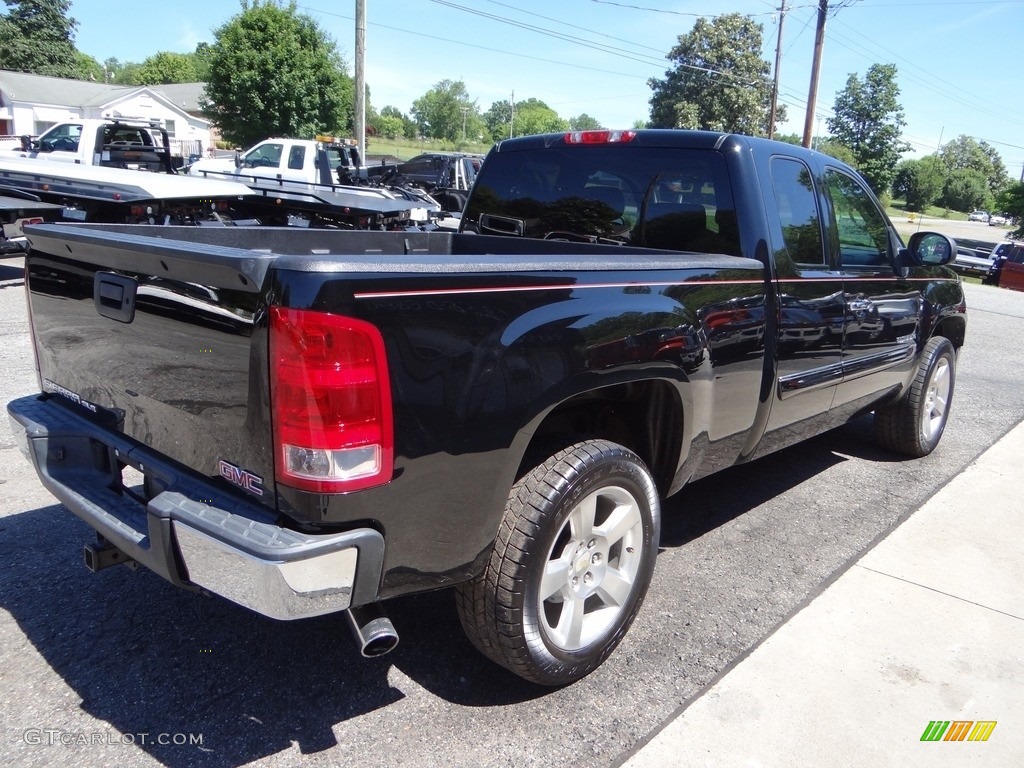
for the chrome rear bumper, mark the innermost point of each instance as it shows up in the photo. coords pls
(223, 544)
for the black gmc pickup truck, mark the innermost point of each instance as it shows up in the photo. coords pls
(314, 421)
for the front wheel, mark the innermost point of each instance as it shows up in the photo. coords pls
(914, 424)
(570, 567)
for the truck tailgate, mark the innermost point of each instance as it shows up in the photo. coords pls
(161, 338)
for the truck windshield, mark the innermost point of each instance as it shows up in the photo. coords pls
(642, 196)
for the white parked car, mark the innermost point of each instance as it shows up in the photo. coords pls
(997, 218)
(978, 216)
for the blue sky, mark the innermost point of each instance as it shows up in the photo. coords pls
(959, 61)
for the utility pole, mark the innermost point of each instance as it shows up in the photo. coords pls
(511, 113)
(775, 81)
(465, 111)
(812, 96)
(361, 78)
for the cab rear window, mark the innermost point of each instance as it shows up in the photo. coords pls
(638, 196)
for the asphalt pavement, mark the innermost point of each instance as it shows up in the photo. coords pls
(120, 668)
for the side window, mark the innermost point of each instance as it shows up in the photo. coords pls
(266, 156)
(296, 157)
(420, 166)
(862, 230)
(64, 138)
(798, 211)
(336, 157)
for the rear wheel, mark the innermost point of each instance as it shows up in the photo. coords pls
(570, 567)
(914, 424)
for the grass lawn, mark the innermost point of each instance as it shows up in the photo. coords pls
(898, 208)
(403, 149)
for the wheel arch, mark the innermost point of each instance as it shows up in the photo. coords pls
(647, 416)
(954, 328)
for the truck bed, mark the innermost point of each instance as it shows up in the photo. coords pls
(162, 333)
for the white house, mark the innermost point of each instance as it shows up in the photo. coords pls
(29, 104)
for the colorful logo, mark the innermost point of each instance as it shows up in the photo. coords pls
(958, 730)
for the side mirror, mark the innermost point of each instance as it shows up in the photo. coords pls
(238, 159)
(931, 248)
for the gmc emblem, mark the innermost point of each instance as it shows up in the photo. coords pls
(242, 478)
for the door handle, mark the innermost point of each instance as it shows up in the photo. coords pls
(114, 296)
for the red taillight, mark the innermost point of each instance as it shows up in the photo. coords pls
(599, 137)
(331, 402)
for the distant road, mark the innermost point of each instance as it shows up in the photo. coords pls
(973, 234)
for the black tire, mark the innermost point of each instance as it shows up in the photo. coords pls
(571, 564)
(914, 424)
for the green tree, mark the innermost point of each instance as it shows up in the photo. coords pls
(497, 120)
(833, 148)
(966, 153)
(389, 127)
(167, 67)
(965, 189)
(584, 122)
(919, 182)
(530, 116)
(392, 123)
(201, 62)
(719, 80)
(128, 74)
(38, 36)
(868, 119)
(1011, 200)
(87, 68)
(112, 70)
(273, 71)
(445, 111)
(534, 116)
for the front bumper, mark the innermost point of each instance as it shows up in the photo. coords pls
(222, 544)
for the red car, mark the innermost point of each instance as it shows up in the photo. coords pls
(1007, 270)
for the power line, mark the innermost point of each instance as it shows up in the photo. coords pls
(665, 10)
(940, 87)
(647, 60)
(586, 43)
(517, 54)
(574, 26)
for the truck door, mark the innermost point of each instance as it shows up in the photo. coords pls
(882, 311)
(810, 299)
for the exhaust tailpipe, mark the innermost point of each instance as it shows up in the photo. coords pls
(374, 632)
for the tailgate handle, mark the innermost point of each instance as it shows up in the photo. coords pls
(114, 296)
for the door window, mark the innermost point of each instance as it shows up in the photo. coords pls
(63, 138)
(862, 230)
(265, 156)
(296, 158)
(798, 211)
